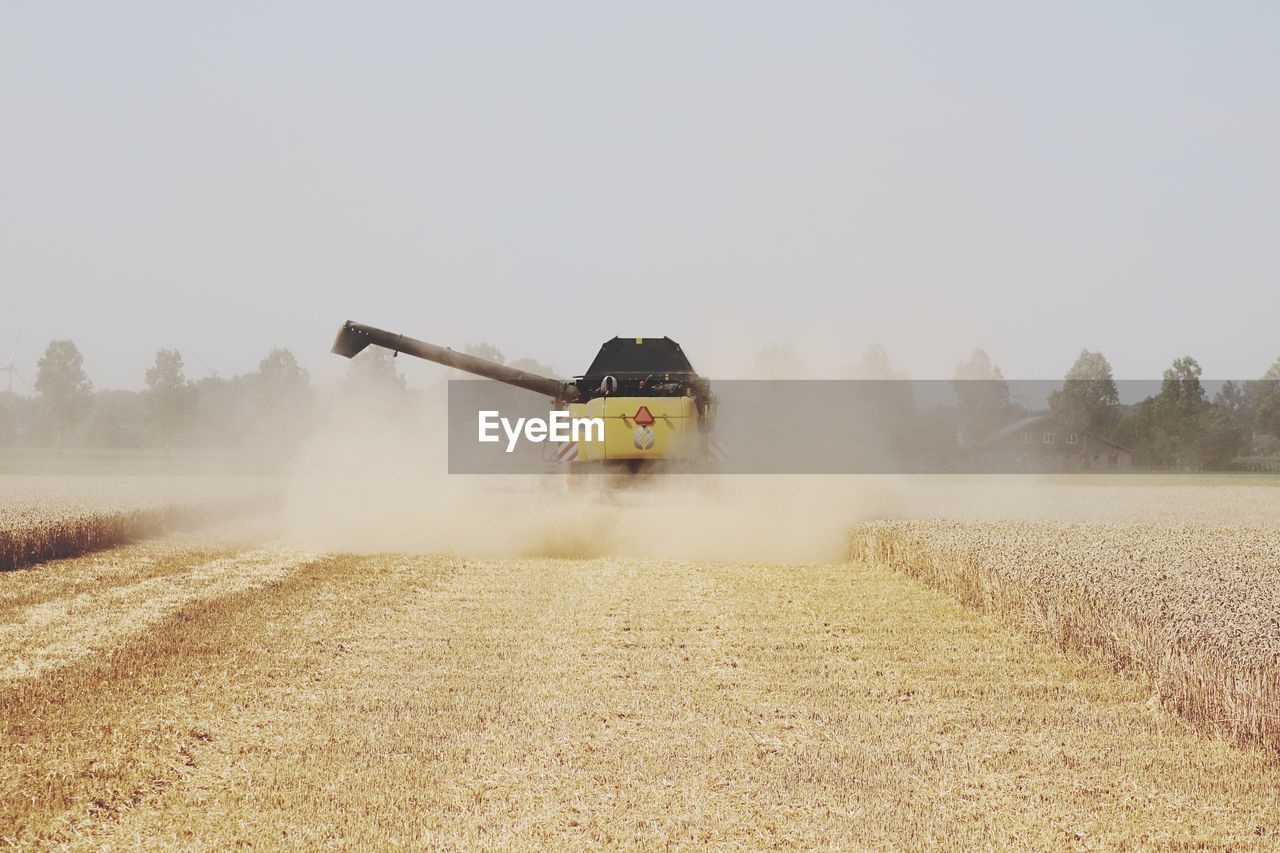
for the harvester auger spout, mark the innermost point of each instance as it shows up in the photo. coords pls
(655, 411)
(354, 337)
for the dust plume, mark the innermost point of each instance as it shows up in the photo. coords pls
(370, 482)
(372, 477)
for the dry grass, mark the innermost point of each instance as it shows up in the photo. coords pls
(1194, 609)
(368, 701)
(47, 518)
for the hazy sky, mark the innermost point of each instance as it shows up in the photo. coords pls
(1032, 178)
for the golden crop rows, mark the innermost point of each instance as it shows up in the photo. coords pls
(44, 518)
(32, 535)
(1195, 609)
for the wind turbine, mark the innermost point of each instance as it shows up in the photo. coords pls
(11, 369)
(213, 371)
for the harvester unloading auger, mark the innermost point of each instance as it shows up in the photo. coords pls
(654, 405)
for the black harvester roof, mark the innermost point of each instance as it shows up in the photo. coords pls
(650, 367)
(639, 355)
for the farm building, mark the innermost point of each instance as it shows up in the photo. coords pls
(1043, 443)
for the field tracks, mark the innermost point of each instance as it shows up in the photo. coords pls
(51, 634)
(1195, 612)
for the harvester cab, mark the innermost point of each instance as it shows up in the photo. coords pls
(654, 405)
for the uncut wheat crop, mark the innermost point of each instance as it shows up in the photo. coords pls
(1194, 609)
(44, 518)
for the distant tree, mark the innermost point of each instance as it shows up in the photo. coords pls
(231, 410)
(1231, 397)
(1176, 414)
(487, 351)
(1136, 431)
(117, 419)
(1179, 427)
(983, 397)
(170, 396)
(1219, 437)
(875, 364)
(780, 361)
(374, 369)
(1238, 401)
(282, 398)
(8, 419)
(1265, 401)
(979, 367)
(16, 411)
(282, 379)
(65, 390)
(1088, 399)
(885, 404)
(1181, 384)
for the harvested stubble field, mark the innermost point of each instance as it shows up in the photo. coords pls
(204, 692)
(1194, 610)
(44, 518)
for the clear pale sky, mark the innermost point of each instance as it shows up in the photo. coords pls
(1030, 178)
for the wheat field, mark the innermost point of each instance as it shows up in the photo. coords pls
(1193, 609)
(194, 692)
(44, 518)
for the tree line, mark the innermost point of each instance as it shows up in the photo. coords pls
(1178, 427)
(269, 409)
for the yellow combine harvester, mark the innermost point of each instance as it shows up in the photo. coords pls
(657, 411)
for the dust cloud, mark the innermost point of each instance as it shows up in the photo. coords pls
(372, 477)
(369, 482)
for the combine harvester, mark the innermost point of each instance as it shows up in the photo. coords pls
(657, 411)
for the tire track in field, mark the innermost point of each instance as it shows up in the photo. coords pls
(95, 573)
(177, 716)
(54, 633)
(402, 701)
